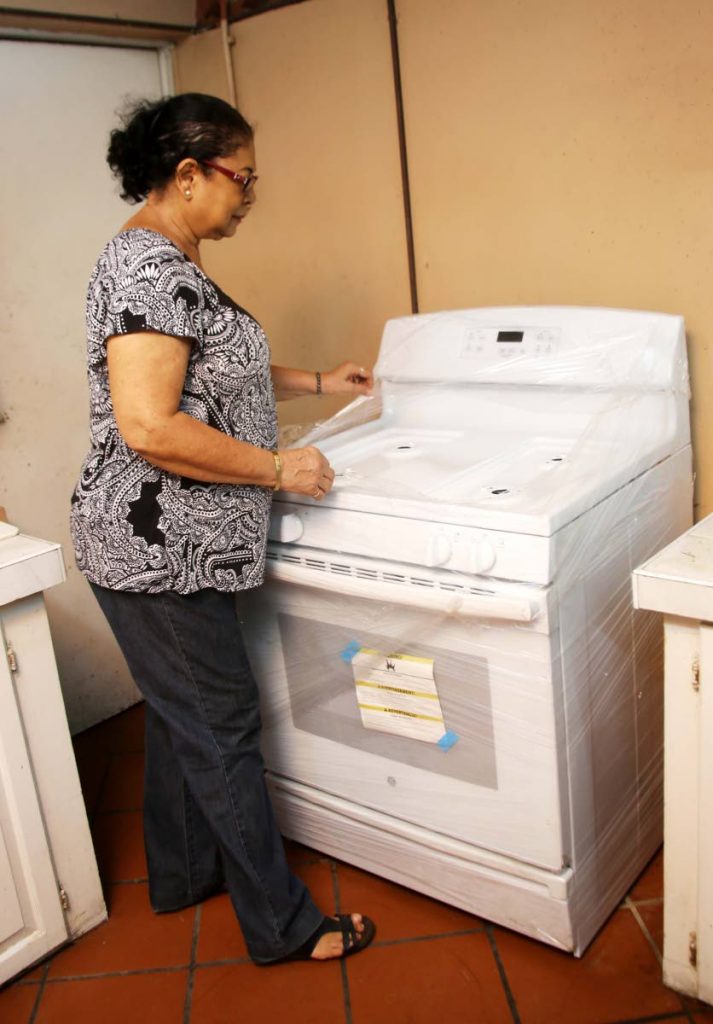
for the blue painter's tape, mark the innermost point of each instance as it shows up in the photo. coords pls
(447, 740)
(349, 651)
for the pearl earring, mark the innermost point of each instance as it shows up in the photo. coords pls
(187, 193)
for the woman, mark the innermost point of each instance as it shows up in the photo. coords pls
(171, 511)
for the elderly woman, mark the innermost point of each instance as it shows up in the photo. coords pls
(170, 516)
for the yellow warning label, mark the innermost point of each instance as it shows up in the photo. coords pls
(406, 686)
(398, 711)
(397, 689)
(396, 657)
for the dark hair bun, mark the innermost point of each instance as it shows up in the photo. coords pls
(155, 137)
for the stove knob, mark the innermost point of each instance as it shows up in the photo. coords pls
(482, 557)
(439, 550)
(285, 527)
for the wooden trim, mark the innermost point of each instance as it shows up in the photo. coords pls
(51, 21)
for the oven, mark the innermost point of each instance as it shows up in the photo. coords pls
(456, 693)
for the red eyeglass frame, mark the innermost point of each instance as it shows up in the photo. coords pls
(245, 181)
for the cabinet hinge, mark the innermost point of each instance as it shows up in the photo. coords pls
(696, 674)
(692, 949)
(11, 658)
(63, 898)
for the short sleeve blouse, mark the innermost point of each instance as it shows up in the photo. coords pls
(139, 528)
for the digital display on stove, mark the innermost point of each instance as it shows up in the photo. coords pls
(510, 335)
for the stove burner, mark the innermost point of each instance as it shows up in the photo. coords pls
(499, 490)
(403, 449)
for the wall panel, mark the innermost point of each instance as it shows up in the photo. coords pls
(61, 207)
(561, 152)
(321, 261)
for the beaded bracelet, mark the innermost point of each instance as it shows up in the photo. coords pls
(318, 375)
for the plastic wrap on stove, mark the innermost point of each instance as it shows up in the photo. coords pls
(541, 800)
(579, 391)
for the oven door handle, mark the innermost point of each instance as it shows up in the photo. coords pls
(477, 606)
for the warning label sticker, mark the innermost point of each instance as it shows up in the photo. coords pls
(397, 693)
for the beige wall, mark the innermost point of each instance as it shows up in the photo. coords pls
(199, 65)
(321, 261)
(560, 152)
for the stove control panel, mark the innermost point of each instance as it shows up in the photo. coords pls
(463, 549)
(508, 342)
(480, 554)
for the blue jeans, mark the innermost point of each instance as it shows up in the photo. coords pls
(207, 813)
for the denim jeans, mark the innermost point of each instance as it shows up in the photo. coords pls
(207, 813)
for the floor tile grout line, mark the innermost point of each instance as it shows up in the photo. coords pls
(687, 1013)
(24, 982)
(130, 973)
(684, 1013)
(188, 1004)
(427, 938)
(490, 932)
(645, 931)
(235, 961)
(38, 998)
(334, 869)
(385, 943)
(650, 901)
(649, 938)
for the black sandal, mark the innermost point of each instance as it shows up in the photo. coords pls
(352, 940)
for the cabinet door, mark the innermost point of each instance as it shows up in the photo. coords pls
(31, 917)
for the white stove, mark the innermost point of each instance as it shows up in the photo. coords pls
(456, 693)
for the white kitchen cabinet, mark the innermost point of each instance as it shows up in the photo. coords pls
(679, 582)
(49, 884)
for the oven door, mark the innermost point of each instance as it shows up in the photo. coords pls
(498, 781)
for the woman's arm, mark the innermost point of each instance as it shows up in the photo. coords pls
(146, 376)
(345, 379)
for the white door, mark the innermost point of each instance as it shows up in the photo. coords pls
(495, 783)
(31, 917)
(59, 207)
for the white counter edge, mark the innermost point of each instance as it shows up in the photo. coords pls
(27, 566)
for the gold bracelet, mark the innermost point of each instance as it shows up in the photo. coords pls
(278, 470)
(318, 375)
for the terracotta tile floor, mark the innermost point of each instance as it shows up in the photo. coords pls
(429, 963)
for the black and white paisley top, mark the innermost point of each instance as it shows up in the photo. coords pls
(139, 528)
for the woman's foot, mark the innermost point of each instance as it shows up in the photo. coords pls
(332, 944)
(336, 937)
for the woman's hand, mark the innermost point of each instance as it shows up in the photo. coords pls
(306, 471)
(347, 379)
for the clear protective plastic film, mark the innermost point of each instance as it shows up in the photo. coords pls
(488, 511)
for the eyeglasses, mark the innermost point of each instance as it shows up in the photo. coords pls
(245, 181)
